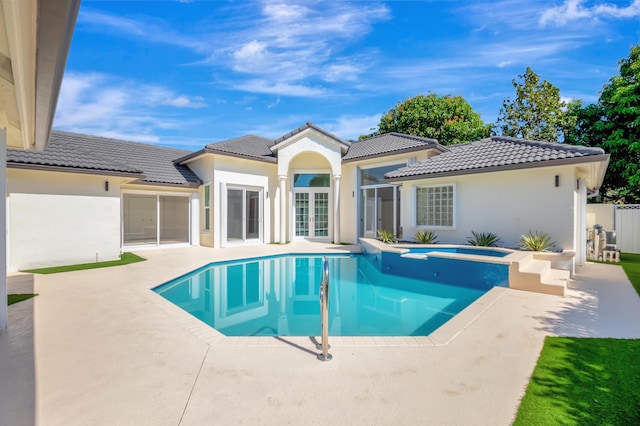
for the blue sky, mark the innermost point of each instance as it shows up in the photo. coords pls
(188, 73)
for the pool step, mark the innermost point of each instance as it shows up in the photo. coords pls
(528, 273)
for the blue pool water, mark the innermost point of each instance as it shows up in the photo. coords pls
(461, 250)
(278, 296)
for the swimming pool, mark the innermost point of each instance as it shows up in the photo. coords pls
(460, 250)
(278, 296)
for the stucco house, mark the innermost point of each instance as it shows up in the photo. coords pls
(88, 198)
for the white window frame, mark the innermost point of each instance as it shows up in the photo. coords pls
(156, 194)
(453, 207)
(206, 209)
(224, 188)
(311, 189)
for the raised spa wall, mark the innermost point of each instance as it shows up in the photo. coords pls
(530, 271)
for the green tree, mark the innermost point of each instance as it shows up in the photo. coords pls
(588, 124)
(449, 119)
(620, 103)
(614, 125)
(537, 112)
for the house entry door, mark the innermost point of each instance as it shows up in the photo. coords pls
(311, 213)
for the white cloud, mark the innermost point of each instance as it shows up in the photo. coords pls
(278, 43)
(342, 72)
(279, 88)
(572, 10)
(184, 101)
(152, 30)
(497, 16)
(350, 127)
(274, 104)
(283, 12)
(254, 50)
(102, 105)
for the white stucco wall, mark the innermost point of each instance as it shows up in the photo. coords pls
(313, 142)
(506, 203)
(231, 171)
(203, 167)
(61, 218)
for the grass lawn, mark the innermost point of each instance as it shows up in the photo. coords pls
(581, 381)
(585, 381)
(125, 259)
(15, 298)
(630, 263)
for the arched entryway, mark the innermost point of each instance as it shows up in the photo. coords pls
(311, 198)
(309, 172)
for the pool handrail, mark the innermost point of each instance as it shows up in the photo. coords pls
(324, 312)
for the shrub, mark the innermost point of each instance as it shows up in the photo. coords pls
(427, 237)
(536, 241)
(387, 236)
(484, 239)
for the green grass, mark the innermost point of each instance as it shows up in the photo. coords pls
(630, 263)
(579, 381)
(15, 298)
(125, 259)
(584, 381)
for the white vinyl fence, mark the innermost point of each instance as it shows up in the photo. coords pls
(627, 226)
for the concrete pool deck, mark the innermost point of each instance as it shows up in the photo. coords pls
(98, 347)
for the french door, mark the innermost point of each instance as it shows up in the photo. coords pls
(311, 212)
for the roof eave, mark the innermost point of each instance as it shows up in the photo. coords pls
(283, 140)
(192, 185)
(508, 167)
(434, 146)
(64, 169)
(271, 160)
(56, 22)
(190, 157)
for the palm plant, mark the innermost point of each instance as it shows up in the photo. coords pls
(387, 236)
(427, 237)
(484, 239)
(536, 241)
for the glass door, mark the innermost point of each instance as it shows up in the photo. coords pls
(369, 212)
(311, 214)
(302, 214)
(380, 210)
(321, 214)
(243, 214)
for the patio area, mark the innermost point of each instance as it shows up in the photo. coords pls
(98, 347)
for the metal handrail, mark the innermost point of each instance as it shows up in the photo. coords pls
(324, 312)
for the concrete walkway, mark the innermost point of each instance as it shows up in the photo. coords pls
(99, 348)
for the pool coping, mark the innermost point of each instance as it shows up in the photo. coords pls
(442, 336)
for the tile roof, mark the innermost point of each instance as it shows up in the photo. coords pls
(387, 143)
(245, 146)
(310, 125)
(494, 153)
(78, 152)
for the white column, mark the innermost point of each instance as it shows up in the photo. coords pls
(581, 249)
(3, 229)
(336, 209)
(283, 208)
